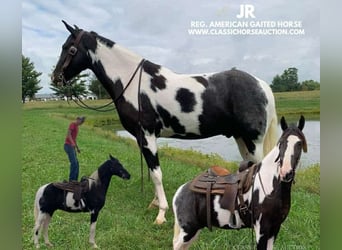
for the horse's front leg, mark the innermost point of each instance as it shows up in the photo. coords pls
(93, 219)
(265, 234)
(149, 150)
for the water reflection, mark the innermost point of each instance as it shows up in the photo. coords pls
(228, 149)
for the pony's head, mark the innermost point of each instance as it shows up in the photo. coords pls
(74, 56)
(291, 144)
(116, 168)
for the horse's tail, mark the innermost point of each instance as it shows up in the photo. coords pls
(271, 133)
(35, 209)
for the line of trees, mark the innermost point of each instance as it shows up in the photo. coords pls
(287, 81)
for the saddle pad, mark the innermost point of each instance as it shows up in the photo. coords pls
(218, 183)
(78, 188)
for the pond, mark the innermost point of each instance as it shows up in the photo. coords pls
(228, 150)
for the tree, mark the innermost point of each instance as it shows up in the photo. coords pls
(288, 81)
(30, 82)
(76, 87)
(310, 85)
(97, 89)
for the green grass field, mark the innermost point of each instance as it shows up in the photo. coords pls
(125, 222)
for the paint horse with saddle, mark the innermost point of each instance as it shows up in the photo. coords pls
(152, 101)
(258, 196)
(89, 195)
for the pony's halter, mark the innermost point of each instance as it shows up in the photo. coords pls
(71, 53)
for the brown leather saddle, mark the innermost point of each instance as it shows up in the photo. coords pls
(230, 186)
(77, 188)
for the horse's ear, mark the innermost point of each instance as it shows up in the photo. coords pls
(283, 123)
(301, 122)
(76, 27)
(111, 157)
(71, 29)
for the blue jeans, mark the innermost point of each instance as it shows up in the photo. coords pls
(74, 167)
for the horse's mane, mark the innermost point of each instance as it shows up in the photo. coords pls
(106, 41)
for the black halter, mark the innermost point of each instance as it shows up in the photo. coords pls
(71, 53)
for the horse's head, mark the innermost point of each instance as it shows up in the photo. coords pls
(74, 56)
(291, 144)
(117, 169)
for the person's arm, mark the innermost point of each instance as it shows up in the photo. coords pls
(73, 143)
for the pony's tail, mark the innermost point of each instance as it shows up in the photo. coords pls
(36, 206)
(271, 134)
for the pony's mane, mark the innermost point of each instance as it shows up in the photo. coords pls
(109, 43)
(96, 175)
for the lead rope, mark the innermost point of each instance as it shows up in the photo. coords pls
(101, 108)
(252, 217)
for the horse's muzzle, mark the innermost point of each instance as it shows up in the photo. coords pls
(58, 80)
(288, 177)
(126, 176)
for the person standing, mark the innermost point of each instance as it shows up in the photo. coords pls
(70, 147)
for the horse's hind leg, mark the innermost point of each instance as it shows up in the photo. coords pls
(253, 152)
(45, 230)
(38, 223)
(93, 219)
(178, 238)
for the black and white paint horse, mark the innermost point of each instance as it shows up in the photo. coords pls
(152, 101)
(268, 199)
(50, 198)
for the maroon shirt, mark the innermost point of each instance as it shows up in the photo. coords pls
(74, 131)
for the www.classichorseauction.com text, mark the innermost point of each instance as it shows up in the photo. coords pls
(201, 27)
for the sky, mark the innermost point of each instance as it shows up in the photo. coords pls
(160, 31)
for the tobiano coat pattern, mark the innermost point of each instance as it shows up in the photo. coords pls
(152, 101)
(268, 199)
(49, 198)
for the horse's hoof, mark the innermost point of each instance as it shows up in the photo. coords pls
(159, 221)
(37, 246)
(95, 246)
(48, 244)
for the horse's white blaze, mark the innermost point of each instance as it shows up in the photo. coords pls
(286, 167)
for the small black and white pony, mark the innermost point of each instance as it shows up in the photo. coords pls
(268, 198)
(50, 198)
(152, 101)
